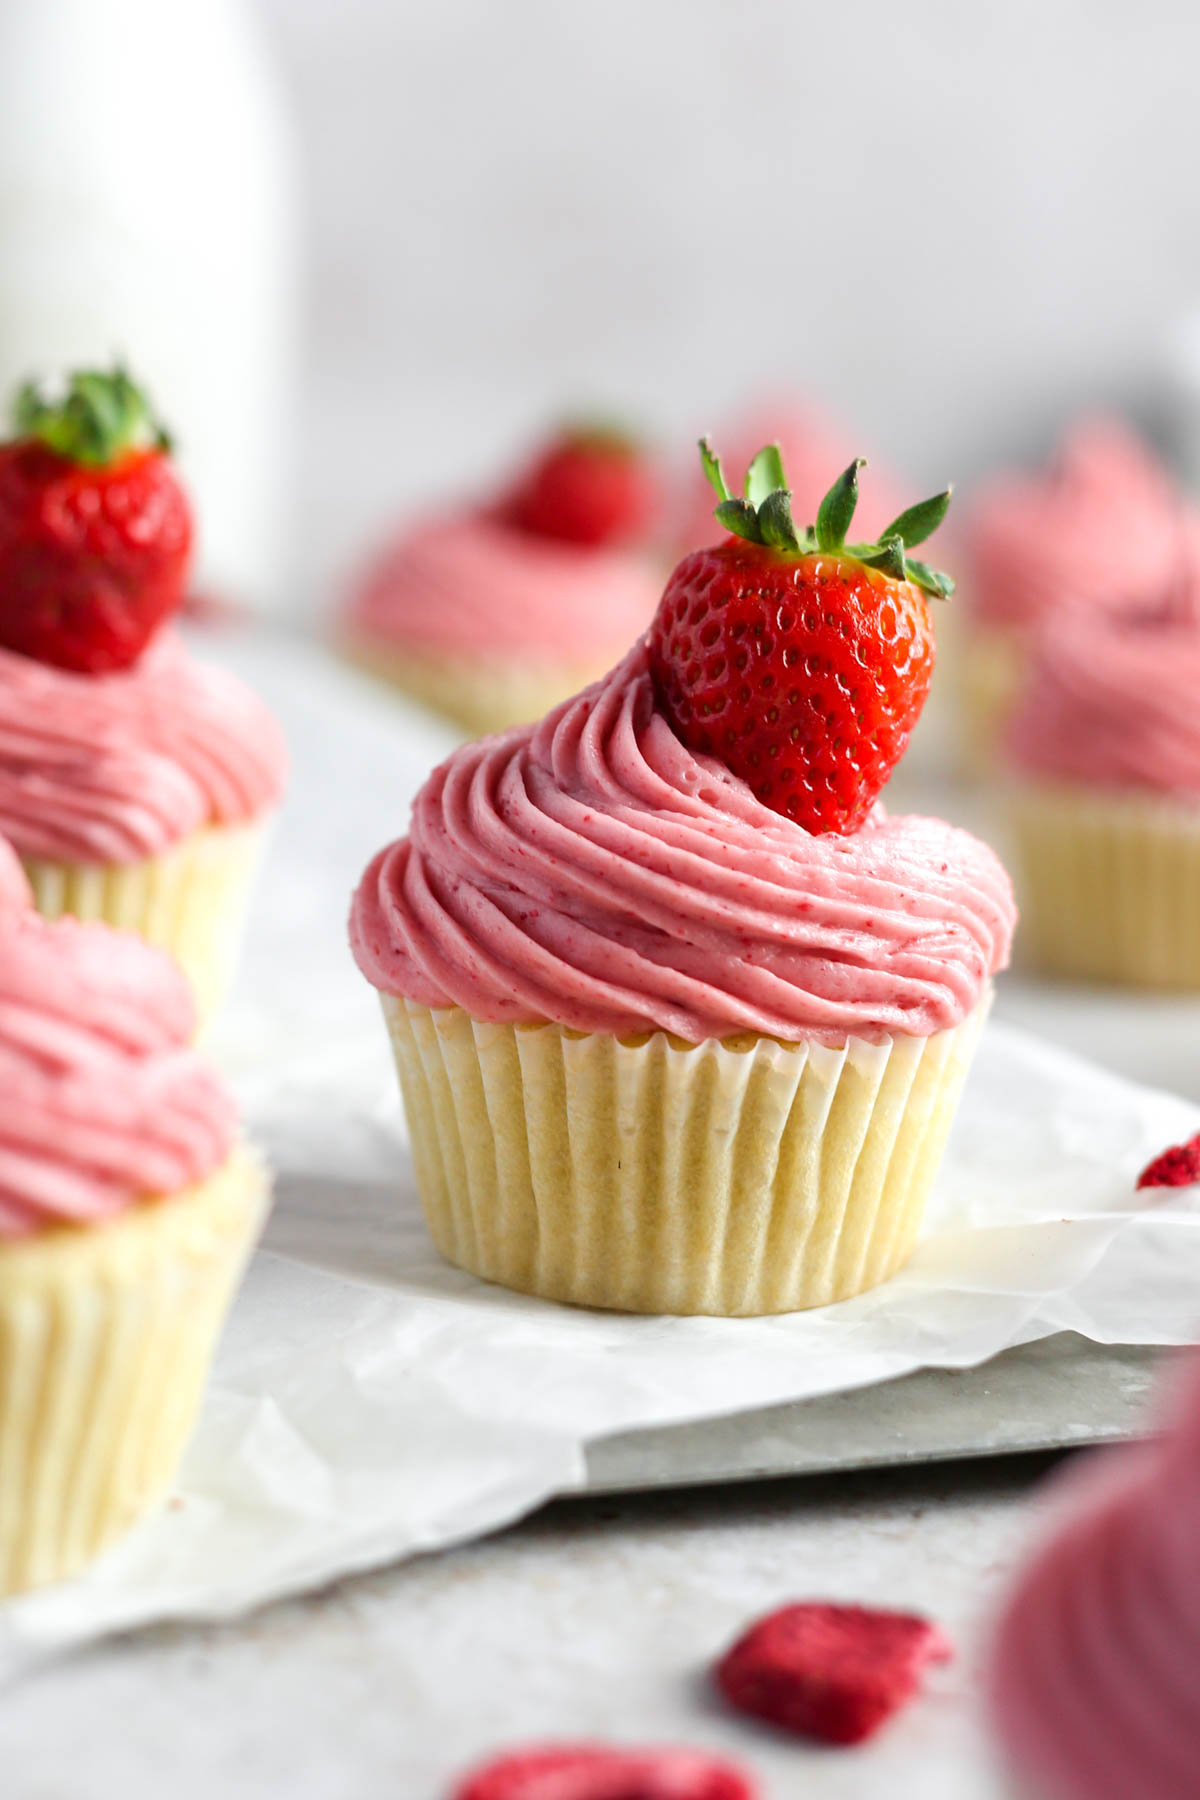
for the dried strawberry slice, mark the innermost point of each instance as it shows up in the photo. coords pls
(597, 1772)
(1177, 1167)
(828, 1671)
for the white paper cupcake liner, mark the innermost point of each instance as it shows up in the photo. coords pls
(1109, 884)
(192, 900)
(106, 1333)
(730, 1177)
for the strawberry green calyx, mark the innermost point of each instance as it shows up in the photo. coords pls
(763, 515)
(101, 417)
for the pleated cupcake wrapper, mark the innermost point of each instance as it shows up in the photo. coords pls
(483, 694)
(192, 900)
(653, 1176)
(106, 1334)
(1110, 884)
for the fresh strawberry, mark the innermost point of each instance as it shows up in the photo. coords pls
(1178, 1166)
(95, 529)
(590, 486)
(830, 1672)
(800, 661)
(594, 1772)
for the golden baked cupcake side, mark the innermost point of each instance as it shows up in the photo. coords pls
(127, 1211)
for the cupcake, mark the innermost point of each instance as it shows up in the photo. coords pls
(1095, 1684)
(1104, 796)
(1099, 531)
(135, 783)
(680, 1014)
(490, 614)
(127, 1210)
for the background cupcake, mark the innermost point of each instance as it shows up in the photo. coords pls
(127, 1210)
(490, 614)
(1104, 796)
(1100, 530)
(134, 783)
(1096, 1667)
(682, 1030)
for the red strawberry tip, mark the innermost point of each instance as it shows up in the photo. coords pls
(1177, 1166)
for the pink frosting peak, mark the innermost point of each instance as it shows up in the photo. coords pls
(102, 1101)
(1096, 1668)
(15, 893)
(116, 768)
(1111, 701)
(814, 454)
(1102, 527)
(474, 586)
(592, 871)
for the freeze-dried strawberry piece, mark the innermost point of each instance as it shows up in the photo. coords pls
(1177, 1167)
(828, 1671)
(598, 1772)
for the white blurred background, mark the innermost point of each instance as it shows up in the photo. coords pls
(952, 223)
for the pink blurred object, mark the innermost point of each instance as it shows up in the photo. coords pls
(814, 454)
(1095, 1678)
(1103, 526)
(1110, 700)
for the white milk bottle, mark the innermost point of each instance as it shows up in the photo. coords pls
(148, 211)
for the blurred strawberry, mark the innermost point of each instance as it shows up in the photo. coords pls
(95, 528)
(592, 485)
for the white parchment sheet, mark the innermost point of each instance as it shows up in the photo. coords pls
(369, 1402)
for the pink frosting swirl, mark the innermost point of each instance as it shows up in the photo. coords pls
(1096, 1669)
(593, 872)
(115, 768)
(1102, 528)
(102, 1101)
(15, 893)
(1112, 702)
(472, 586)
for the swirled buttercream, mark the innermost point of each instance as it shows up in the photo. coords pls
(472, 586)
(102, 1101)
(115, 768)
(1112, 702)
(1096, 1670)
(593, 872)
(1102, 528)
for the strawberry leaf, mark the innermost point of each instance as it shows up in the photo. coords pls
(776, 523)
(740, 517)
(712, 468)
(101, 416)
(765, 475)
(889, 557)
(836, 510)
(930, 581)
(919, 522)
